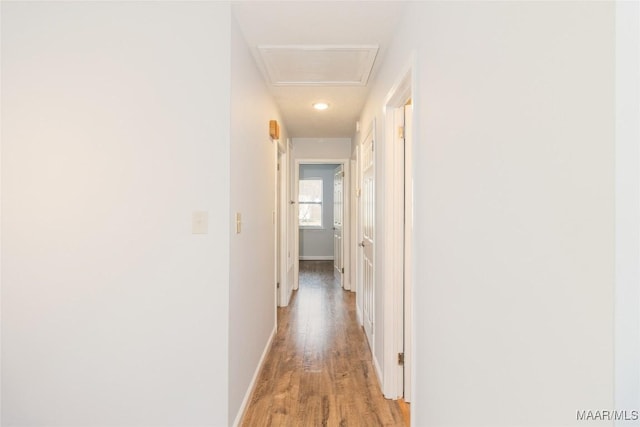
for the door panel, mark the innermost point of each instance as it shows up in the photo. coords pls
(278, 227)
(338, 213)
(367, 232)
(408, 251)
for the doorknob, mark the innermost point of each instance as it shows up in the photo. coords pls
(292, 202)
(361, 244)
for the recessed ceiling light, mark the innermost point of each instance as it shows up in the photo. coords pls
(321, 106)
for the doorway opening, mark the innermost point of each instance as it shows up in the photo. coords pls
(322, 196)
(283, 220)
(399, 143)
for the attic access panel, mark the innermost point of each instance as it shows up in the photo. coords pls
(313, 65)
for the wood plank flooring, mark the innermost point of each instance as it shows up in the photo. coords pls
(319, 370)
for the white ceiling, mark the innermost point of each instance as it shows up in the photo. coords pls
(320, 24)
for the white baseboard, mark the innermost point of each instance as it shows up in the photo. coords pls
(316, 258)
(376, 366)
(252, 384)
(359, 315)
(288, 298)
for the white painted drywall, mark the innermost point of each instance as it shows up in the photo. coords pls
(514, 191)
(318, 243)
(322, 148)
(252, 298)
(627, 302)
(115, 128)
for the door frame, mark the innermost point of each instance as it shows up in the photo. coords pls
(627, 208)
(398, 301)
(346, 226)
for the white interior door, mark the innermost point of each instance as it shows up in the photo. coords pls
(285, 271)
(367, 233)
(292, 218)
(338, 214)
(408, 250)
(278, 224)
(295, 222)
(352, 248)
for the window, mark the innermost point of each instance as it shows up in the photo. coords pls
(310, 203)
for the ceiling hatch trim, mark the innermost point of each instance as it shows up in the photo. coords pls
(318, 65)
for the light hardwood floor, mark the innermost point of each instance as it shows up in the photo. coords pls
(319, 370)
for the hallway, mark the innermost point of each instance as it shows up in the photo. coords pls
(319, 370)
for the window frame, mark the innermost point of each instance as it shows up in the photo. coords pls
(321, 203)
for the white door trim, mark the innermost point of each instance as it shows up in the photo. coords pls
(346, 241)
(627, 210)
(398, 314)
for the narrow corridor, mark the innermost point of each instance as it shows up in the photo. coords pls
(319, 371)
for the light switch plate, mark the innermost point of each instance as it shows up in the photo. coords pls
(200, 222)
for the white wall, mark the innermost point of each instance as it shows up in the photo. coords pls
(322, 148)
(252, 302)
(514, 262)
(627, 302)
(114, 131)
(318, 243)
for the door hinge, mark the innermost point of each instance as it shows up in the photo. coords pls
(401, 132)
(278, 168)
(342, 270)
(278, 285)
(372, 144)
(401, 359)
(342, 174)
